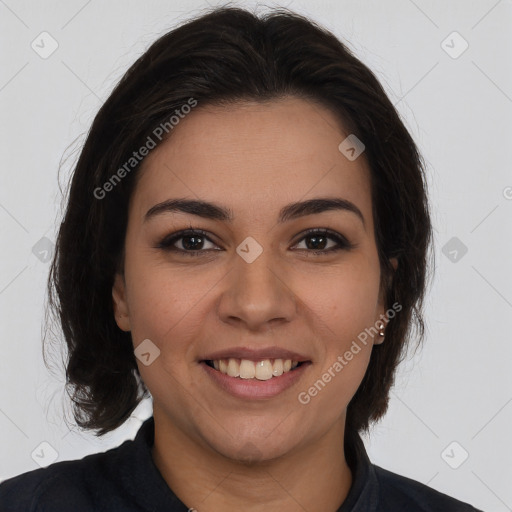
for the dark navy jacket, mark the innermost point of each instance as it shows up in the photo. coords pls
(125, 479)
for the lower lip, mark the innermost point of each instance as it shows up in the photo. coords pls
(254, 388)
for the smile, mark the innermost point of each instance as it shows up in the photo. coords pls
(254, 380)
(264, 369)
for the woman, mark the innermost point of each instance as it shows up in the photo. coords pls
(246, 242)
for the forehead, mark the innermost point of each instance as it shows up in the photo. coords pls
(251, 154)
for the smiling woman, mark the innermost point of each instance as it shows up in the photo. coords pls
(258, 274)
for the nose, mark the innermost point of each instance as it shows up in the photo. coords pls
(258, 295)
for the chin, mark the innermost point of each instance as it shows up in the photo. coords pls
(254, 448)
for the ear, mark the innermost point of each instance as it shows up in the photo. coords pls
(121, 312)
(381, 323)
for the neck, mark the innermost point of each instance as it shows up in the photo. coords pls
(314, 478)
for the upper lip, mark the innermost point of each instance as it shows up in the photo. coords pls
(256, 354)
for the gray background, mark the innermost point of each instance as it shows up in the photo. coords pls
(458, 106)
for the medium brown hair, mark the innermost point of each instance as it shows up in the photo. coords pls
(224, 56)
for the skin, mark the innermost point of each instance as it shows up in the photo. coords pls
(218, 452)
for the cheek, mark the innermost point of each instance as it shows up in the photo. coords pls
(345, 309)
(168, 305)
(344, 299)
(172, 303)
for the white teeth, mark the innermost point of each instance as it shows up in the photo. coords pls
(233, 368)
(247, 369)
(277, 368)
(264, 370)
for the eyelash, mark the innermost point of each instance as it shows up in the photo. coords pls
(342, 243)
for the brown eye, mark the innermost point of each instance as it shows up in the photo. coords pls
(191, 242)
(318, 239)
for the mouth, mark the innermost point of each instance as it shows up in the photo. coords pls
(254, 380)
(249, 373)
(247, 369)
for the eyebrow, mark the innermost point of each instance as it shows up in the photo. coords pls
(291, 211)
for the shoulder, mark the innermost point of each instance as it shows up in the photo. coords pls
(398, 492)
(81, 483)
(48, 486)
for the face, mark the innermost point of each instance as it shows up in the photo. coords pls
(249, 286)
